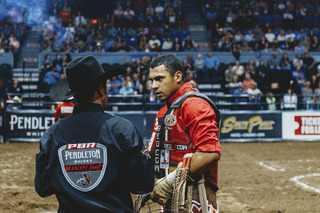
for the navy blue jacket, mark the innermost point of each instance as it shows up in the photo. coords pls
(91, 161)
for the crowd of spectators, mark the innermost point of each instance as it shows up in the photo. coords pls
(263, 26)
(12, 30)
(131, 26)
(159, 26)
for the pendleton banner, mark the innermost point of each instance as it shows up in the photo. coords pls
(27, 125)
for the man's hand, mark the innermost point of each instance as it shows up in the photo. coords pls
(163, 189)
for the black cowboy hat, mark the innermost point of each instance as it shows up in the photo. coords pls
(81, 73)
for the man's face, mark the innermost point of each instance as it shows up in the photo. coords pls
(163, 83)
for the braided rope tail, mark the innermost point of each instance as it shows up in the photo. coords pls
(182, 188)
(203, 195)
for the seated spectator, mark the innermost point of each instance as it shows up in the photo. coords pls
(113, 48)
(308, 67)
(159, 9)
(186, 66)
(118, 13)
(290, 38)
(261, 73)
(281, 38)
(285, 62)
(270, 36)
(228, 74)
(115, 85)
(241, 96)
(271, 101)
(297, 61)
(80, 19)
(212, 64)
(57, 62)
(15, 89)
(234, 85)
(15, 104)
(238, 68)
(290, 100)
(125, 91)
(238, 37)
(308, 98)
(274, 62)
(254, 95)
(315, 44)
(249, 37)
(245, 47)
(167, 44)
(314, 83)
(154, 43)
(306, 43)
(189, 44)
(50, 78)
(65, 15)
(299, 48)
(129, 14)
(288, 19)
(251, 68)
(247, 82)
(190, 61)
(199, 66)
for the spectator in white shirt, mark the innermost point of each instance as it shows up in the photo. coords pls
(154, 42)
(281, 38)
(167, 44)
(270, 36)
(80, 19)
(159, 8)
(290, 100)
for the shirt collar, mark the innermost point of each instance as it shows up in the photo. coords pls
(185, 88)
(85, 107)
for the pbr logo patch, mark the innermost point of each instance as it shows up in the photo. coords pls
(83, 164)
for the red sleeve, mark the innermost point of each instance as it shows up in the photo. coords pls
(57, 114)
(201, 124)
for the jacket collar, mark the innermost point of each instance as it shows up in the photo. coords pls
(85, 107)
(187, 87)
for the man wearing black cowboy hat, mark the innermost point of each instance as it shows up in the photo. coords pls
(91, 160)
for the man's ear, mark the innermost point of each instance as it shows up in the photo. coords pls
(102, 89)
(179, 76)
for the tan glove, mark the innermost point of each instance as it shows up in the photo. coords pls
(163, 189)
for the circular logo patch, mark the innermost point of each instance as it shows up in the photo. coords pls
(170, 120)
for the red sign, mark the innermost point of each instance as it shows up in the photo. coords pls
(308, 125)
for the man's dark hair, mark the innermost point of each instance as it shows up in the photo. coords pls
(87, 95)
(170, 61)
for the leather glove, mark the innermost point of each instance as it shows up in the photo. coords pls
(163, 189)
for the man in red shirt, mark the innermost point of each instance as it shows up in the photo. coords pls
(187, 123)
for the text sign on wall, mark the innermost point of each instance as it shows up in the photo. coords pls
(25, 124)
(301, 125)
(253, 125)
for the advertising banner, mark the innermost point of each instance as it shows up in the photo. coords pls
(303, 125)
(240, 126)
(27, 125)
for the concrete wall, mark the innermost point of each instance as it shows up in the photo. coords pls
(6, 58)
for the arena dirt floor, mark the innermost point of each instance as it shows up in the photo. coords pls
(273, 177)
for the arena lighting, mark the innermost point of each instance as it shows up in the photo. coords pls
(94, 21)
